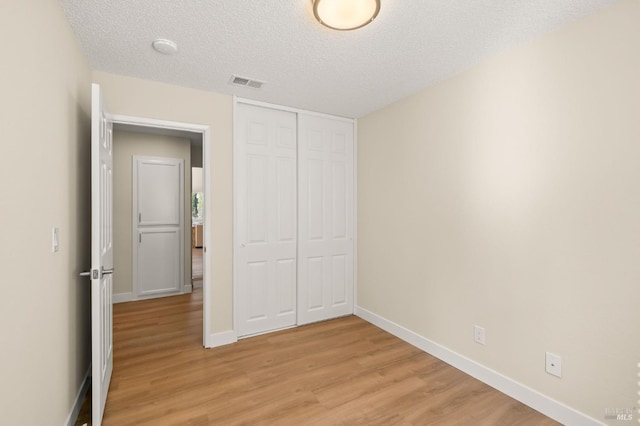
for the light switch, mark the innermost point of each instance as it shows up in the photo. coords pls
(55, 241)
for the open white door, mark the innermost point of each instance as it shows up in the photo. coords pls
(101, 254)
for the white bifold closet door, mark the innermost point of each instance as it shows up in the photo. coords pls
(325, 215)
(266, 219)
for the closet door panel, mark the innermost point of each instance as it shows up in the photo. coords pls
(314, 193)
(338, 280)
(339, 195)
(287, 207)
(257, 291)
(257, 171)
(325, 217)
(286, 274)
(266, 220)
(315, 284)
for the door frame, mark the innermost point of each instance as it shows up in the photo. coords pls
(188, 130)
(236, 244)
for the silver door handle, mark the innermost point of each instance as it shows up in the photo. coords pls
(93, 274)
(107, 271)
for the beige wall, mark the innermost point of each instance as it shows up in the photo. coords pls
(45, 85)
(126, 145)
(130, 96)
(509, 197)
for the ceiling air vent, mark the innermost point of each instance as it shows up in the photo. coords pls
(245, 82)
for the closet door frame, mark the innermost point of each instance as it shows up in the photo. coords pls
(236, 243)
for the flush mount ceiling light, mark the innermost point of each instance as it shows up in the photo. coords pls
(345, 15)
(164, 46)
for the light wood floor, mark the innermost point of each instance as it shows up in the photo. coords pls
(339, 372)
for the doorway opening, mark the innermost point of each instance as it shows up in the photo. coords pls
(198, 275)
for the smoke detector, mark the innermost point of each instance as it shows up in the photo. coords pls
(164, 46)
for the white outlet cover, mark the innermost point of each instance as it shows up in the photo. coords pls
(553, 364)
(478, 334)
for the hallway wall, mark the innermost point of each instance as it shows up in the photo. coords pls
(45, 106)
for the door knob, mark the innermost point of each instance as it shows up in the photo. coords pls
(93, 274)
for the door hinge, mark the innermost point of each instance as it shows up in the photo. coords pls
(140, 238)
(139, 217)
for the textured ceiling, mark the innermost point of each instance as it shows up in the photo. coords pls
(411, 45)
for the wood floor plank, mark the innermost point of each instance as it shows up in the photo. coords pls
(339, 372)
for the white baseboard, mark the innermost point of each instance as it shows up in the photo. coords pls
(534, 399)
(77, 404)
(221, 339)
(130, 297)
(123, 297)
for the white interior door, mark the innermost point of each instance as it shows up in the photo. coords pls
(158, 206)
(325, 215)
(101, 254)
(265, 209)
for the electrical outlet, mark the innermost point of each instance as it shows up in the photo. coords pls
(553, 364)
(478, 334)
